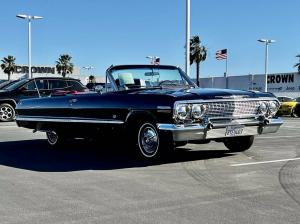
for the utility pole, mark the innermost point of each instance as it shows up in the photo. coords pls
(188, 31)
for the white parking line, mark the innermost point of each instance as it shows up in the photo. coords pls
(287, 126)
(8, 126)
(276, 137)
(265, 162)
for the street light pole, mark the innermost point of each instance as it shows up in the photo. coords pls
(89, 74)
(29, 18)
(29, 48)
(187, 51)
(267, 42)
(266, 66)
(88, 68)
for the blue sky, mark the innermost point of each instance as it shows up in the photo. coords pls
(105, 32)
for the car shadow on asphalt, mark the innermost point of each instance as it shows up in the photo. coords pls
(37, 155)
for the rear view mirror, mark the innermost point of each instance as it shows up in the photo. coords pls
(23, 89)
(151, 73)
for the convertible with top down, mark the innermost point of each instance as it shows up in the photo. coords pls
(155, 108)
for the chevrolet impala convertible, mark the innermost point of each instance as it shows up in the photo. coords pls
(156, 108)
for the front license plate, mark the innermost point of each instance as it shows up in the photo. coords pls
(234, 130)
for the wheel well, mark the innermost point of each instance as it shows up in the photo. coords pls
(10, 102)
(135, 116)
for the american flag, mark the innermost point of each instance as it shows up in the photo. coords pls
(221, 54)
(156, 61)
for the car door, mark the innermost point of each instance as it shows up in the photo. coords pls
(28, 90)
(57, 85)
(97, 107)
(74, 85)
(43, 87)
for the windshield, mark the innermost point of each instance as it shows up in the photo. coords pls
(15, 85)
(149, 78)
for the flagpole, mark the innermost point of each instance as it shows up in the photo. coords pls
(226, 67)
(221, 55)
(226, 76)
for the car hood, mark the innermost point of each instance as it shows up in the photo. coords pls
(201, 93)
(288, 104)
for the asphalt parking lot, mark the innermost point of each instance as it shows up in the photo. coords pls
(88, 183)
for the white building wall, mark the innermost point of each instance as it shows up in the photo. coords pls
(39, 71)
(281, 84)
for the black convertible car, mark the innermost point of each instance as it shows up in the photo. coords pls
(156, 108)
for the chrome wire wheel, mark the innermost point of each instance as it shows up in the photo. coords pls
(7, 112)
(148, 140)
(52, 137)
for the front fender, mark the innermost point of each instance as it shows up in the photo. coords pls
(9, 101)
(136, 115)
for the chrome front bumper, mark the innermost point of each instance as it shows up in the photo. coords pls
(218, 130)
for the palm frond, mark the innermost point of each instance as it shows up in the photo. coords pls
(64, 65)
(8, 65)
(198, 54)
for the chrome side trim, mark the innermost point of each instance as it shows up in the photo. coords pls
(68, 120)
(164, 109)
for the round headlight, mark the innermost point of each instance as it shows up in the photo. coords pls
(197, 111)
(273, 107)
(263, 108)
(182, 112)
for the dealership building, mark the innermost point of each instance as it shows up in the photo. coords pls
(281, 84)
(21, 71)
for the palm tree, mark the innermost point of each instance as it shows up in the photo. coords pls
(197, 55)
(8, 65)
(92, 79)
(64, 65)
(298, 64)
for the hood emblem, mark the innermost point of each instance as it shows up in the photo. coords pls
(232, 97)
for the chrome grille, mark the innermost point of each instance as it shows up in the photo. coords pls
(232, 108)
